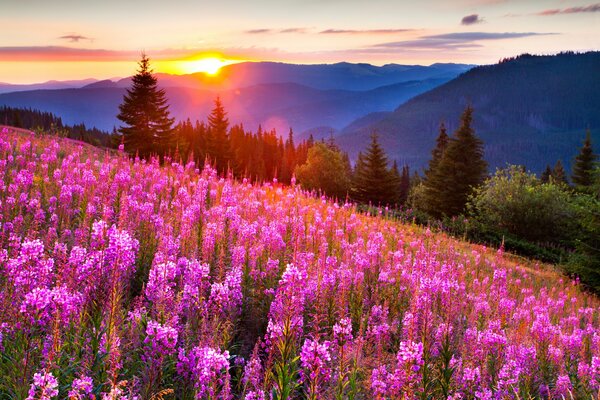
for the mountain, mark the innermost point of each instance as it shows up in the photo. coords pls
(343, 75)
(321, 96)
(529, 110)
(10, 87)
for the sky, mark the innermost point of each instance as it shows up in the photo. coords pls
(44, 40)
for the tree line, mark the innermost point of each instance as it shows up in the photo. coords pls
(41, 121)
(149, 129)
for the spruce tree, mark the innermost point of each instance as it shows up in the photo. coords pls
(583, 169)
(459, 171)
(397, 179)
(218, 128)
(404, 184)
(559, 176)
(545, 177)
(432, 182)
(148, 127)
(373, 181)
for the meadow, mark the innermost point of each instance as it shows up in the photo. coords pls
(127, 279)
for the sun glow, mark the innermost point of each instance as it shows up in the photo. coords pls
(208, 65)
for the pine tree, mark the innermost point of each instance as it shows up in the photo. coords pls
(219, 146)
(433, 183)
(440, 146)
(559, 175)
(583, 169)
(545, 177)
(145, 113)
(404, 184)
(373, 182)
(397, 179)
(459, 171)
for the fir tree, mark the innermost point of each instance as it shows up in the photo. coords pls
(219, 146)
(404, 184)
(583, 169)
(459, 171)
(433, 183)
(148, 126)
(373, 181)
(559, 175)
(545, 177)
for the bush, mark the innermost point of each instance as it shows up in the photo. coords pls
(516, 203)
(325, 170)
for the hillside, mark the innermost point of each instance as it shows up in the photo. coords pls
(276, 95)
(530, 110)
(125, 277)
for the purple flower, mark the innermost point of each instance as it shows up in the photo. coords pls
(81, 388)
(44, 386)
(315, 358)
(342, 331)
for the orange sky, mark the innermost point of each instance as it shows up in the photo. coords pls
(66, 39)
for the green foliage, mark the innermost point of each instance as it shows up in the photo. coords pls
(218, 146)
(148, 126)
(559, 176)
(326, 170)
(455, 171)
(373, 182)
(583, 168)
(516, 202)
(586, 262)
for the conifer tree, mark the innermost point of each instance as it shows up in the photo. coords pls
(373, 181)
(219, 147)
(545, 177)
(148, 127)
(432, 182)
(583, 169)
(404, 184)
(459, 171)
(559, 175)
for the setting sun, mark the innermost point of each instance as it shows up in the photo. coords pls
(207, 65)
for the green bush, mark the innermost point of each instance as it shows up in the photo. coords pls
(516, 203)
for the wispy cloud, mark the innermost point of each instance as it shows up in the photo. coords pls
(363, 31)
(60, 53)
(571, 10)
(75, 38)
(456, 40)
(259, 31)
(471, 19)
(294, 30)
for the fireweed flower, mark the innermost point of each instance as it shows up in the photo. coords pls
(207, 368)
(81, 388)
(342, 331)
(161, 339)
(315, 358)
(44, 386)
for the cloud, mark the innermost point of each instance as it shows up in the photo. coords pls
(455, 41)
(363, 31)
(74, 38)
(294, 30)
(258, 31)
(269, 30)
(571, 10)
(471, 19)
(60, 53)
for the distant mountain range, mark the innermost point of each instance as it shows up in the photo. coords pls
(529, 110)
(309, 98)
(11, 87)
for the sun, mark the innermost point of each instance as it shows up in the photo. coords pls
(208, 65)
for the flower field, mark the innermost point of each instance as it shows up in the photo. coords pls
(123, 280)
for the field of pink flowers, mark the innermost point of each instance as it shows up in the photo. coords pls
(123, 280)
